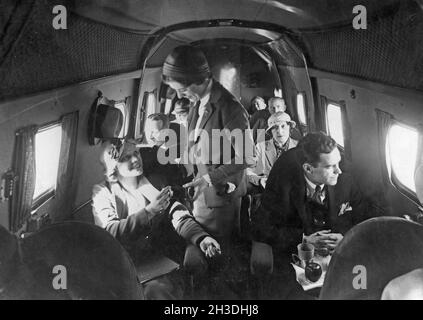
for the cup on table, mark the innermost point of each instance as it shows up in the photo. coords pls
(305, 254)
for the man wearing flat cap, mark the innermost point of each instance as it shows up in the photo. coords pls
(218, 184)
(279, 125)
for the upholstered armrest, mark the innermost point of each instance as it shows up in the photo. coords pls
(261, 260)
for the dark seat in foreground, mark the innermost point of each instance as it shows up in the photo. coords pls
(386, 246)
(97, 266)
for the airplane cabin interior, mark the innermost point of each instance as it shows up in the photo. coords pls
(78, 74)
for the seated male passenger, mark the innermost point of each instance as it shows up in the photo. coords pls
(257, 103)
(267, 152)
(161, 156)
(259, 116)
(156, 122)
(307, 195)
(181, 111)
(276, 104)
(129, 207)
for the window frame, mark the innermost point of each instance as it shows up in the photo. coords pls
(125, 114)
(346, 149)
(393, 179)
(49, 194)
(342, 122)
(143, 112)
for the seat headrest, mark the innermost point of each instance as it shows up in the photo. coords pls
(104, 122)
(370, 246)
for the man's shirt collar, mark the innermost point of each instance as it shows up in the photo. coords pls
(204, 100)
(311, 187)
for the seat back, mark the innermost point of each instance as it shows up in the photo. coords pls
(96, 266)
(378, 250)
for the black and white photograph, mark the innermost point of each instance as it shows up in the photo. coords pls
(211, 154)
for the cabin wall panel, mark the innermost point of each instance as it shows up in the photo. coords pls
(362, 118)
(151, 80)
(44, 108)
(300, 83)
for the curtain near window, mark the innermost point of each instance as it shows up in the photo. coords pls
(24, 170)
(379, 204)
(65, 194)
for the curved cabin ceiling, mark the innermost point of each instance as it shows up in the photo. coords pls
(228, 33)
(107, 38)
(258, 36)
(150, 16)
(184, 36)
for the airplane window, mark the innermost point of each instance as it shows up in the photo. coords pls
(401, 153)
(301, 109)
(168, 105)
(277, 93)
(47, 152)
(334, 123)
(122, 107)
(228, 78)
(151, 103)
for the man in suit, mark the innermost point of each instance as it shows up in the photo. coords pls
(164, 143)
(218, 171)
(259, 115)
(307, 196)
(276, 104)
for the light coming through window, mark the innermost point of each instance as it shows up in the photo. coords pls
(334, 123)
(301, 109)
(47, 154)
(401, 153)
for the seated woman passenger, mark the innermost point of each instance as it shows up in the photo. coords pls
(267, 152)
(129, 207)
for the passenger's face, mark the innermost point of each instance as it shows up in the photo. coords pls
(281, 132)
(276, 106)
(193, 92)
(130, 164)
(182, 117)
(154, 134)
(259, 104)
(327, 170)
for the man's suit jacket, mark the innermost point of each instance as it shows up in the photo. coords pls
(222, 111)
(282, 219)
(258, 121)
(266, 156)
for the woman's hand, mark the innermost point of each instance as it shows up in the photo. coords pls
(161, 202)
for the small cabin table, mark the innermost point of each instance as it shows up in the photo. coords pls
(300, 273)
